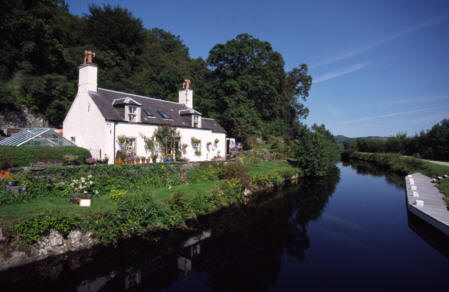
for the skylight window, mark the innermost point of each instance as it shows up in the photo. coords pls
(148, 112)
(164, 114)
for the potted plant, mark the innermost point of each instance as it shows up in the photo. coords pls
(154, 158)
(198, 153)
(90, 161)
(195, 140)
(216, 141)
(137, 159)
(132, 159)
(119, 157)
(5, 169)
(143, 159)
(121, 139)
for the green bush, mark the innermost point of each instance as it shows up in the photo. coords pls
(23, 156)
(33, 229)
(239, 171)
(206, 172)
(180, 204)
(315, 153)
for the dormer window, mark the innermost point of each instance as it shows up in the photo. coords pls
(132, 113)
(195, 121)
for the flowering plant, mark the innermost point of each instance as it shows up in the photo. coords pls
(70, 158)
(90, 160)
(83, 186)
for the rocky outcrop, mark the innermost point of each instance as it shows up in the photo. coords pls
(22, 118)
(52, 245)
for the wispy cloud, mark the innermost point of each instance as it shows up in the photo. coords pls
(369, 46)
(338, 73)
(414, 100)
(378, 117)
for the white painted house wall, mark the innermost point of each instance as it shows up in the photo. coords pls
(84, 120)
(87, 125)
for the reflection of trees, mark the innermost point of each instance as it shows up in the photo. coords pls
(245, 251)
(367, 168)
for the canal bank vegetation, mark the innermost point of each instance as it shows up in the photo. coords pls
(431, 144)
(132, 200)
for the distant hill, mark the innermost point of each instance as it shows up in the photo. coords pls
(340, 139)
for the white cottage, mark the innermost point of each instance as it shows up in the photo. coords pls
(98, 117)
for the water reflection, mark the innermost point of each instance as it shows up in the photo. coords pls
(428, 233)
(238, 248)
(367, 168)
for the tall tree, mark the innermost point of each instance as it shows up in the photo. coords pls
(251, 89)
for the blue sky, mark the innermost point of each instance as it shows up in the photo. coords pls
(379, 67)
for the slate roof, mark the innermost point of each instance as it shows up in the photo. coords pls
(104, 99)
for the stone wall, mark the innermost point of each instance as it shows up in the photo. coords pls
(52, 245)
(22, 118)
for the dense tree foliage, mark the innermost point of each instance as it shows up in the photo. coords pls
(315, 150)
(242, 84)
(431, 144)
(43, 44)
(252, 94)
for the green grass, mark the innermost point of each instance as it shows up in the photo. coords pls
(103, 205)
(266, 146)
(188, 189)
(11, 214)
(268, 167)
(431, 169)
(444, 187)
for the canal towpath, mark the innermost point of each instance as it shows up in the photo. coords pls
(426, 201)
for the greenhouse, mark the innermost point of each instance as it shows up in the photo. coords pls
(36, 137)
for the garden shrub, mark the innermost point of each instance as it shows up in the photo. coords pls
(24, 155)
(206, 172)
(239, 171)
(180, 204)
(118, 195)
(33, 229)
(201, 203)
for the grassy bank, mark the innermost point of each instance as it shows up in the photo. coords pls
(405, 165)
(131, 199)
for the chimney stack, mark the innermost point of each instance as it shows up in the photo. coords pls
(88, 73)
(186, 94)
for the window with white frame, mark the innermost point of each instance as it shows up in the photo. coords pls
(195, 121)
(132, 113)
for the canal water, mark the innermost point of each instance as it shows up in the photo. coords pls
(348, 231)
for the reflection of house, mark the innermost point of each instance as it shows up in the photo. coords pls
(98, 117)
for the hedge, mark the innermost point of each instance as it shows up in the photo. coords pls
(23, 156)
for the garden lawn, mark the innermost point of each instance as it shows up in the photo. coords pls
(268, 166)
(188, 189)
(103, 203)
(11, 214)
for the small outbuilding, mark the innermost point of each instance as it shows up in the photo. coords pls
(36, 137)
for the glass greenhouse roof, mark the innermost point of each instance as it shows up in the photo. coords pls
(36, 137)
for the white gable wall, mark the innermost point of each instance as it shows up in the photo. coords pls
(85, 122)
